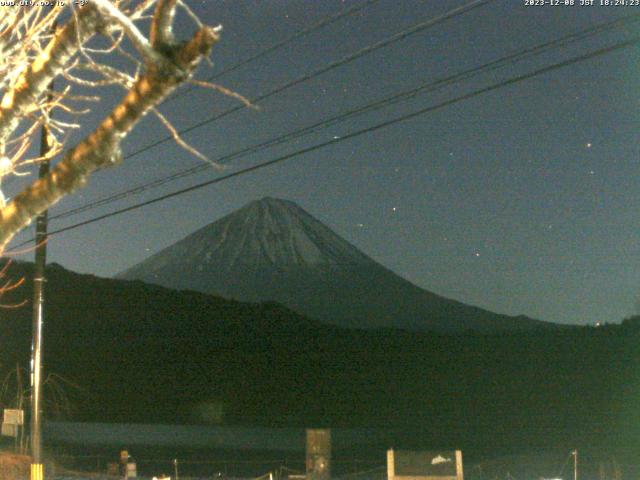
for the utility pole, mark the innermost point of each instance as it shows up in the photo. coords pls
(37, 469)
(575, 464)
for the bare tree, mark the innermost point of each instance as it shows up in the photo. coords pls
(40, 44)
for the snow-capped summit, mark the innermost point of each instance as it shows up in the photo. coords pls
(270, 232)
(273, 250)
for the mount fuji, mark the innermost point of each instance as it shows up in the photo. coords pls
(273, 250)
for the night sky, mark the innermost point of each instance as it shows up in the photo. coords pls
(523, 200)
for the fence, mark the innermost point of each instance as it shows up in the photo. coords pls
(221, 468)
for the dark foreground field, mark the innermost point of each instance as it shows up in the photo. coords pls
(134, 353)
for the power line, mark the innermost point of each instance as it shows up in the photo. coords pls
(419, 27)
(603, 51)
(283, 158)
(276, 46)
(401, 96)
(416, 28)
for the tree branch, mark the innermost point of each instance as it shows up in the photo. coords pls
(137, 38)
(102, 147)
(34, 80)
(161, 27)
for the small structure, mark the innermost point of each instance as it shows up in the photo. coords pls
(12, 420)
(318, 454)
(127, 466)
(426, 465)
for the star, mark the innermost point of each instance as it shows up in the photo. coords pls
(589, 145)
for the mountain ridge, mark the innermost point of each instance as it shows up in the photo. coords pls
(143, 353)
